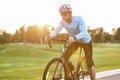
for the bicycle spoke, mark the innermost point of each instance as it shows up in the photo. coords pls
(54, 71)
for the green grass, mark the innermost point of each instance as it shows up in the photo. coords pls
(27, 61)
(106, 56)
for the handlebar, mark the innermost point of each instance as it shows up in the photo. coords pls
(49, 41)
(55, 39)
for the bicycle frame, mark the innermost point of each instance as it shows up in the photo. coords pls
(78, 72)
(79, 61)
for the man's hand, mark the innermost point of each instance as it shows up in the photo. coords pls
(70, 40)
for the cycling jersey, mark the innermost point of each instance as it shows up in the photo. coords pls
(76, 28)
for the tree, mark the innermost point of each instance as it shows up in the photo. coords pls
(107, 37)
(5, 37)
(16, 36)
(117, 35)
(22, 34)
(97, 34)
(33, 34)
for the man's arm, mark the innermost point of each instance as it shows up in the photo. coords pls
(55, 32)
(83, 30)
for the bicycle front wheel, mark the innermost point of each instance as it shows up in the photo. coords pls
(54, 70)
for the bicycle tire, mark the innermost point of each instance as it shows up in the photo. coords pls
(52, 72)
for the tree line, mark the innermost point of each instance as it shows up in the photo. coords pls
(37, 34)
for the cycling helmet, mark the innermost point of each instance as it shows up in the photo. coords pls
(65, 8)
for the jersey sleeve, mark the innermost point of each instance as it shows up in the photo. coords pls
(83, 30)
(56, 30)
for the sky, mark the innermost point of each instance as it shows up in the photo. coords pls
(96, 13)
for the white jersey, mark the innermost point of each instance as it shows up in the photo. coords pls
(76, 28)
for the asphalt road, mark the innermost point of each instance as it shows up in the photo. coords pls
(111, 77)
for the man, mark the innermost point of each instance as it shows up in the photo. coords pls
(78, 35)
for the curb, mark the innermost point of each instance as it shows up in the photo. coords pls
(107, 73)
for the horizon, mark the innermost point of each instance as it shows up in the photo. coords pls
(96, 13)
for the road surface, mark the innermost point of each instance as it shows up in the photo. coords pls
(111, 77)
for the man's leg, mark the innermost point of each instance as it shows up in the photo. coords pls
(92, 72)
(89, 60)
(67, 68)
(72, 47)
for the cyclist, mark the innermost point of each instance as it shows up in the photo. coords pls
(78, 35)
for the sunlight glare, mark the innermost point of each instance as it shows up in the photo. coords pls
(15, 13)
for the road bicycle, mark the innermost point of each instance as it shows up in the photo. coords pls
(55, 69)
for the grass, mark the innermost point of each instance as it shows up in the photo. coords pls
(106, 56)
(27, 61)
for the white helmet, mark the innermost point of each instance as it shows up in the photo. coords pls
(65, 8)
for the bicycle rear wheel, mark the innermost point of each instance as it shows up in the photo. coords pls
(54, 70)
